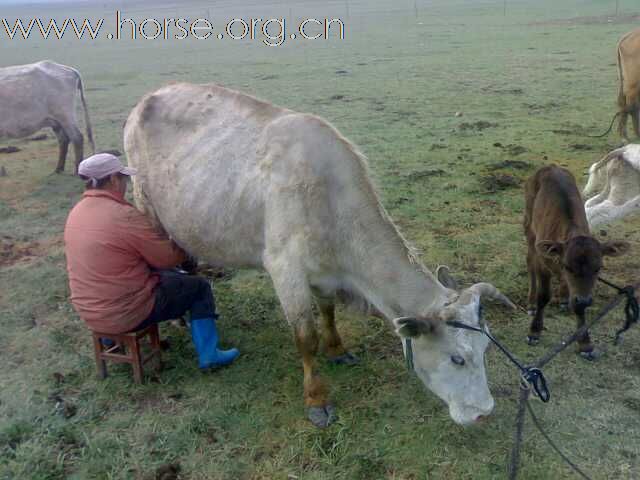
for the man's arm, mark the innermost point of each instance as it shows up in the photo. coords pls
(157, 250)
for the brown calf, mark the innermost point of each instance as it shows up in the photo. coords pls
(560, 245)
(629, 76)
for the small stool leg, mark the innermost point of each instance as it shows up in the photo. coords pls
(101, 365)
(154, 340)
(134, 350)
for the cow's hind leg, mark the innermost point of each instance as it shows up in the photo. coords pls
(542, 299)
(75, 136)
(63, 147)
(622, 125)
(295, 296)
(635, 118)
(334, 349)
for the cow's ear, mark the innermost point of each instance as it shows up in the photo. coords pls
(411, 327)
(550, 249)
(444, 277)
(615, 248)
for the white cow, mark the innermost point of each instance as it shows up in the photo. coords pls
(41, 95)
(237, 181)
(616, 179)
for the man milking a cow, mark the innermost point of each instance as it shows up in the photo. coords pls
(118, 265)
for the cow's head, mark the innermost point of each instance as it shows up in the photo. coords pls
(450, 361)
(581, 259)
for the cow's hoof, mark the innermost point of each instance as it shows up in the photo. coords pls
(345, 359)
(322, 417)
(531, 312)
(592, 355)
(533, 340)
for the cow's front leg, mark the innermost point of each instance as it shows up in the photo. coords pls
(563, 297)
(333, 346)
(585, 348)
(542, 299)
(531, 261)
(295, 296)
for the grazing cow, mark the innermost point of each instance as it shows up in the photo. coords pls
(629, 76)
(41, 95)
(237, 181)
(614, 186)
(560, 244)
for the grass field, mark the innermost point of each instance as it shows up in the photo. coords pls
(529, 79)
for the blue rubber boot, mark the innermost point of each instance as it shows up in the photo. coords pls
(205, 338)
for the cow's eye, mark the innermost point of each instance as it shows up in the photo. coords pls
(457, 359)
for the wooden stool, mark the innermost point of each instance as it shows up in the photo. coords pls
(127, 350)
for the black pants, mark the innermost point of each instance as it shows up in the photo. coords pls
(176, 293)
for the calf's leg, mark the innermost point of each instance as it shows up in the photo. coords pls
(585, 347)
(542, 299)
(563, 299)
(531, 309)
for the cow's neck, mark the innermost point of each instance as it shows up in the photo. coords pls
(387, 275)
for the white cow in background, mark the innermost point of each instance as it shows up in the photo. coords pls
(41, 95)
(615, 181)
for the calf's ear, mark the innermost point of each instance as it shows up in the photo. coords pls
(615, 248)
(410, 327)
(550, 249)
(444, 277)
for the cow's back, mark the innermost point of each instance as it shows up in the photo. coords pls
(553, 205)
(34, 94)
(198, 152)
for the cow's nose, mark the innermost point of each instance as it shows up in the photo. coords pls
(481, 419)
(583, 302)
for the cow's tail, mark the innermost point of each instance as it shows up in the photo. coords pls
(622, 101)
(87, 121)
(613, 120)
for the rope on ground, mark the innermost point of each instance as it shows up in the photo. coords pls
(632, 312)
(517, 439)
(536, 422)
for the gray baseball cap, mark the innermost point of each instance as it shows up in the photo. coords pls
(102, 165)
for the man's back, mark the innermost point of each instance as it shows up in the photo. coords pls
(110, 248)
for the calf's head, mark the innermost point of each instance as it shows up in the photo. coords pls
(581, 260)
(450, 361)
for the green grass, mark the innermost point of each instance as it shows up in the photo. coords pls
(527, 73)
